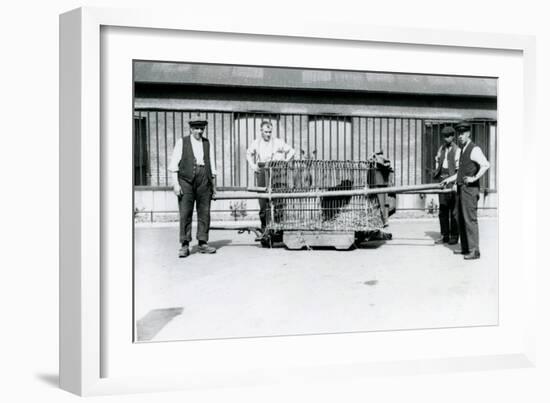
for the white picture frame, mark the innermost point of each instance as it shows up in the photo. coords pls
(85, 346)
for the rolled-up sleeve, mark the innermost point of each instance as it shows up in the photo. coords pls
(251, 152)
(288, 150)
(479, 158)
(176, 157)
(213, 161)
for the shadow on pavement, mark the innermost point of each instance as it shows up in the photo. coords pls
(152, 323)
(216, 244)
(435, 235)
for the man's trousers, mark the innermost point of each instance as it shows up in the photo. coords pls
(467, 198)
(448, 223)
(199, 190)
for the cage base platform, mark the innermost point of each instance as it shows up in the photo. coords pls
(338, 239)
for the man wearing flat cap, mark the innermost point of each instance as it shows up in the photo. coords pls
(446, 164)
(472, 166)
(193, 170)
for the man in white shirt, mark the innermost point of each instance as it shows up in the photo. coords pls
(193, 169)
(263, 149)
(472, 167)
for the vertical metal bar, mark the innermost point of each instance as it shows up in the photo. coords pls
(246, 143)
(165, 150)
(232, 124)
(237, 153)
(488, 148)
(293, 136)
(316, 142)
(330, 139)
(495, 169)
(278, 129)
(149, 162)
(373, 135)
(323, 138)
(308, 124)
(380, 134)
(284, 117)
(408, 151)
(394, 146)
(182, 128)
(345, 142)
(173, 127)
(213, 142)
(401, 164)
(301, 139)
(366, 138)
(422, 147)
(254, 138)
(387, 138)
(157, 146)
(415, 151)
(352, 138)
(140, 151)
(337, 137)
(223, 154)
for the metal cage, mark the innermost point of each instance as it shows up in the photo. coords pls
(334, 212)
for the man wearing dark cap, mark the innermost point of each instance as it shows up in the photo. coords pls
(446, 164)
(472, 166)
(193, 170)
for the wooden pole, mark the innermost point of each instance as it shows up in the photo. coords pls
(367, 191)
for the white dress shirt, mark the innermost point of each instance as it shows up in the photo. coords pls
(198, 153)
(262, 151)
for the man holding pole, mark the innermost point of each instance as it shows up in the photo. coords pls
(263, 149)
(446, 164)
(472, 166)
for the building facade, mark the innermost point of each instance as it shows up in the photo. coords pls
(327, 115)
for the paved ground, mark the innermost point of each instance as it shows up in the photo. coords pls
(245, 290)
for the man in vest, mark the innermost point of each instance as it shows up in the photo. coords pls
(472, 166)
(193, 170)
(263, 149)
(446, 164)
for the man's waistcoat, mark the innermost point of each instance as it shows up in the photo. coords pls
(187, 165)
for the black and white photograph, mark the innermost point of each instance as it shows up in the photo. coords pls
(275, 201)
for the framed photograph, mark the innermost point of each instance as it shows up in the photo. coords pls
(245, 204)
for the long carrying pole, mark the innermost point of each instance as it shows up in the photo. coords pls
(366, 191)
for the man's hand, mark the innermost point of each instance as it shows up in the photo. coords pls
(444, 182)
(177, 189)
(214, 194)
(469, 179)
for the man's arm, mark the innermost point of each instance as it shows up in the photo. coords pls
(213, 170)
(437, 161)
(173, 167)
(250, 154)
(289, 151)
(478, 157)
(452, 178)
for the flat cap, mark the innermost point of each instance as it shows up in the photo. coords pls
(448, 131)
(462, 127)
(197, 119)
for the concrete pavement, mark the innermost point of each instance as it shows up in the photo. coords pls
(244, 290)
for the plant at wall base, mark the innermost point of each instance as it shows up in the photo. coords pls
(432, 207)
(238, 209)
